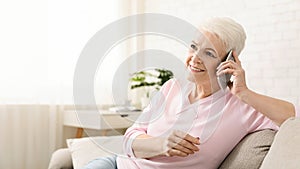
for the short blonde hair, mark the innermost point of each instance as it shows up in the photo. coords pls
(229, 31)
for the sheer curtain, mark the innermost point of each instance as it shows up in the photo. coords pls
(30, 133)
(40, 43)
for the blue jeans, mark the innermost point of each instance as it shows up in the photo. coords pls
(108, 162)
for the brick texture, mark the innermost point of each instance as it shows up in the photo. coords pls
(271, 56)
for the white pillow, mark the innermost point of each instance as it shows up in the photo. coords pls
(86, 149)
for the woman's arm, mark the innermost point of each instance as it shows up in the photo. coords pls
(177, 143)
(138, 143)
(145, 146)
(276, 110)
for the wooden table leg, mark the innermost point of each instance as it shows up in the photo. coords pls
(104, 132)
(79, 132)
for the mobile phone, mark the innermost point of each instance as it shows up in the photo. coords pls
(225, 78)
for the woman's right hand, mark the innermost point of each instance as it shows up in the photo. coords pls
(181, 144)
(177, 143)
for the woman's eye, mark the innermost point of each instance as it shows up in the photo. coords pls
(194, 47)
(209, 54)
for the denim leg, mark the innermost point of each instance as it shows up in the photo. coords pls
(108, 162)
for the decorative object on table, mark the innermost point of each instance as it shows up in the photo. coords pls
(149, 80)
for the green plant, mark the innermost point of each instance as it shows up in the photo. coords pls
(152, 77)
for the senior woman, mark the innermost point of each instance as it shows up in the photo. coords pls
(193, 123)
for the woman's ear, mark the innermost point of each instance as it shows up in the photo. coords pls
(236, 57)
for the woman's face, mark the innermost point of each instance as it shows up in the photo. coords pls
(205, 54)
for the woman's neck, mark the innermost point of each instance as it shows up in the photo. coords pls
(200, 92)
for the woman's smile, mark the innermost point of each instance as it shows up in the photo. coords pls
(195, 69)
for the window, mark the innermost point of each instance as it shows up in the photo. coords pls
(40, 44)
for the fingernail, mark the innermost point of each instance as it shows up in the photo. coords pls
(198, 140)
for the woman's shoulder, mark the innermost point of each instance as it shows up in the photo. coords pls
(174, 85)
(175, 82)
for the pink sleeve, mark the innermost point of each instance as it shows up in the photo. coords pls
(254, 120)
(141, 124)
(261, 122)
(258, 121)
(138, 128)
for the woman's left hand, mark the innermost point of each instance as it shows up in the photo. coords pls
(235, 69)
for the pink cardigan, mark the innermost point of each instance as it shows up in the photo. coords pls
(220, 120)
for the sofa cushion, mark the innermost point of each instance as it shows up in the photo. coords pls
(86, 149)
(61, 159)
(250, 152)
(285, 151)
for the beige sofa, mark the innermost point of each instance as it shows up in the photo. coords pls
(256, 150)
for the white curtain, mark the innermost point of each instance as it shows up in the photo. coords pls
(30, 133)
(40, 43)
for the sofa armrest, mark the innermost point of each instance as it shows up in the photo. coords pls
(61, 159)
(285, 150)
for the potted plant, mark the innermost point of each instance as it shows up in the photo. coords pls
(149, 80)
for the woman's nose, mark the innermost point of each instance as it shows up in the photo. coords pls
(196, 59)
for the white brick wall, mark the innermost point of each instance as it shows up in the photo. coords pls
(271, 56)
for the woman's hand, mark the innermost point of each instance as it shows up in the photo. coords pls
(181, 144)
(238, 86)
(178, 143)
(275, 109)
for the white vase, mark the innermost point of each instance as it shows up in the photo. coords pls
(144, 102)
